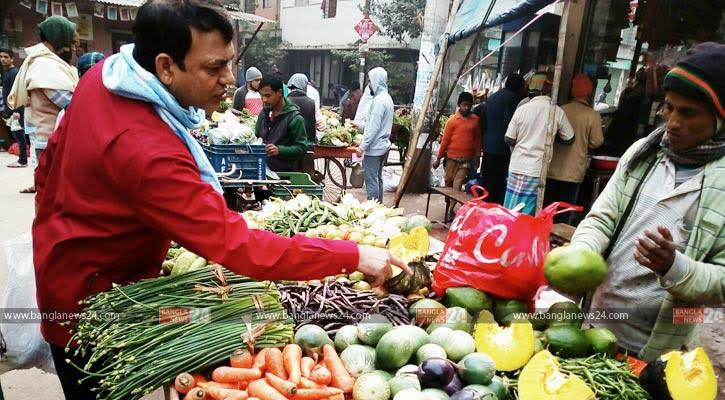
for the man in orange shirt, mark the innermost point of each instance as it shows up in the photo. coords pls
(461, 143)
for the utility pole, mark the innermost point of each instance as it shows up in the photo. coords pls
(364, 48)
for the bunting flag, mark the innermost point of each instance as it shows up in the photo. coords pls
(99, 10)
(41, 6)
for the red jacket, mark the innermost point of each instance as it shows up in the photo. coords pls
(115, 185)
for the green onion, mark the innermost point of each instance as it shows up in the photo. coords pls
(132, 352)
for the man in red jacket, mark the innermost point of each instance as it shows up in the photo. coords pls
(118, 182)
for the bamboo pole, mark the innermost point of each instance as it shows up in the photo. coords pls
(437, 68)
(549, 147)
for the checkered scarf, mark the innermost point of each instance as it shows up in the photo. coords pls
(706, 152)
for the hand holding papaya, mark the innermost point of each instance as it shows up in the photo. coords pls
(375, 263)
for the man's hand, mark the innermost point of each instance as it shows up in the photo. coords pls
(655, 250)
(16, 115)
(272, 150)
(436, 163)
(358, 151)
(375, 263)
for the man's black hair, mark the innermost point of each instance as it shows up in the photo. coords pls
(465, 96)
(515, 83)
(273, 81)
(164, 26)
(6, 51)
(355, 85)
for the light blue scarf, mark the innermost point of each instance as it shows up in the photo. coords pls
(123, 76)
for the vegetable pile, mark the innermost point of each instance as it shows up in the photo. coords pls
(272, 374)
(339, 134)
(316, 218)
(229, 128)
(333, 304)
(204, 314)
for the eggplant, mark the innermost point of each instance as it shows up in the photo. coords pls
(436, 373)
(473, 394)
(467, 394)
(454, 386)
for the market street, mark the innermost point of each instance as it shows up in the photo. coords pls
(362, 200)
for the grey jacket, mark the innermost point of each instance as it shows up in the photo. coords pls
(376, 139)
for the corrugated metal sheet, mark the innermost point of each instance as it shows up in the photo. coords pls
(241, 16)
(469, 18)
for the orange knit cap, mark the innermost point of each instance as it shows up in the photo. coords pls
(582, 86)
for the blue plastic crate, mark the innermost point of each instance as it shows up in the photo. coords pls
(251, 159)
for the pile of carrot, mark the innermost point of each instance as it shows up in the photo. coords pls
(271, 374)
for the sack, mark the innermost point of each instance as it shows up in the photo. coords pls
(357, 176)
(496, 250)
(26, 347)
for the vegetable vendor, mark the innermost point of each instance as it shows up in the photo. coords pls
(281, 127)
(659, 222)
(123, 176)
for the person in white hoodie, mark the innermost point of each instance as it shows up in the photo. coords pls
(376, 138)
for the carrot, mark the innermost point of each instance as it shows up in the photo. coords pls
(305, 383)
(316, 394)
(195, 394)
(335, 397)
(199, 378)
(306, 365)
(184, 382)
(321, 375)
(275, 363)
(256, 398)
(241, 358)
(235, 375)
(242, 385)
(292, 357)
(221, 393)
(341, 379)
(260, 388)
(237, 395)
(287, 388)
(260, 360)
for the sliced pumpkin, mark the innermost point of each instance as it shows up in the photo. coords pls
(404, 284)
(690, 375)
(510, 347)
(411, 246)
(541, 379)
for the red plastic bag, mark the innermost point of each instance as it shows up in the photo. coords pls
(496, 250)
(14, 149)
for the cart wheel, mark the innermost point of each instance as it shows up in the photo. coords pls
(331, 173)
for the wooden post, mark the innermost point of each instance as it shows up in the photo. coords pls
(549, 147)
(415, 136)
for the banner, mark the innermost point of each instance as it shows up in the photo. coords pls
(84, 26)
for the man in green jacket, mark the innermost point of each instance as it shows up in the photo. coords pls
(281, 127)
(660, 222)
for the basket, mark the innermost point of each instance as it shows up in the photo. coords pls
(301, 183)
(250, 159)
(605, 163)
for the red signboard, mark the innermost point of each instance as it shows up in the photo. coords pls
(366, 28)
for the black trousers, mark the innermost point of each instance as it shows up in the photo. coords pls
(23, 146)
(69, 376)
(494, 172)
(561, 191)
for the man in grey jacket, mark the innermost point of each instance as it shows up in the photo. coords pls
(376, 128)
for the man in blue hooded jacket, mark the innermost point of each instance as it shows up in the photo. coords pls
(376, 128)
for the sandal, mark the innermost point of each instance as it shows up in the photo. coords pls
(28, 190)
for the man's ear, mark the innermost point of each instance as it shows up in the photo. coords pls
(164, 71)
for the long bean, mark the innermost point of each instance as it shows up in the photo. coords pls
(333, 304)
